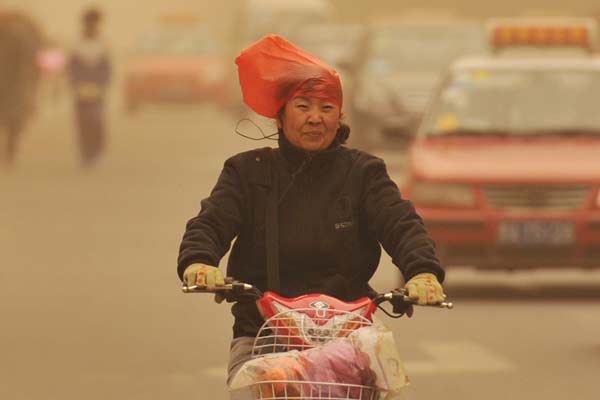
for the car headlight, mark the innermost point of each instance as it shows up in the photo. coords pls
(442, 194)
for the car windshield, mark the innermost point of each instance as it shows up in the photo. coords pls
(431, 47)
(517, 103)
(177, 43)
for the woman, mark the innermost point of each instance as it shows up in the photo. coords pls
(309, 216)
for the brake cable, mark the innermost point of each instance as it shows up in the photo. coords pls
(386, 312)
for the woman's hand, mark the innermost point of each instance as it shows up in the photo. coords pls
(203, 276)
(425, 289)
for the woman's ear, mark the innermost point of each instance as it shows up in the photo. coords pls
(279, 123)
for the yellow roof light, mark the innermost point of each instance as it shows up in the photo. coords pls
(549, 32)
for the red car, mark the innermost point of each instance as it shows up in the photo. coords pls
(177, 66)
(505, 170)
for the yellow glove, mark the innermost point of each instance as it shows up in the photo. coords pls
(425, 289)
(204, 276)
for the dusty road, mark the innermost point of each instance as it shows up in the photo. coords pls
(90, 302)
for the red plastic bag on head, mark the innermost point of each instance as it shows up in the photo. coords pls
(272, 71)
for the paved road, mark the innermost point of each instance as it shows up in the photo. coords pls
(90, 304)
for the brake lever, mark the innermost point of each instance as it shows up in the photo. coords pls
(232, 291)
(406, 299)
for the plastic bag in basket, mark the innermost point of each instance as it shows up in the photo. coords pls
(377, 341)
(367, 358)
(330, 370)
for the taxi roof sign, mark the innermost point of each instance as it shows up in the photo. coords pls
(543, 33)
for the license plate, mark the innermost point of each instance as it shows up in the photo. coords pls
(528, 233)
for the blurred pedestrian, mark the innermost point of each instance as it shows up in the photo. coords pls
(89, 72)
(20, 40)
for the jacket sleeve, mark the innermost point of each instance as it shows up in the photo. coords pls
(208, 236)
(395, 223)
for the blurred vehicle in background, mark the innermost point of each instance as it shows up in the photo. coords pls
(338, 44)
(505, 170)
(404, 60)
(181, 61)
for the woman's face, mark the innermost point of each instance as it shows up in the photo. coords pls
(310, 123)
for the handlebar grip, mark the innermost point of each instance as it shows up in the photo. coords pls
(230, 286)
(189, 289)
(446, 305)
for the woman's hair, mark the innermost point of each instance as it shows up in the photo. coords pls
(342, 134)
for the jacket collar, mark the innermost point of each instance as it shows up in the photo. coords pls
(295, 156)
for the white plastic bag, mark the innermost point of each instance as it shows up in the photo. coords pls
(377, 341)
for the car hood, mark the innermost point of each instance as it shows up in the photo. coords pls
(506, 159)
(181, 64)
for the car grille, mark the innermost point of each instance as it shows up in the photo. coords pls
(537, 197)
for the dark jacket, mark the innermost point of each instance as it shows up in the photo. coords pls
(336, 207)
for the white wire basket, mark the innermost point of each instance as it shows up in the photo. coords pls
(306, 390)
(303, 329)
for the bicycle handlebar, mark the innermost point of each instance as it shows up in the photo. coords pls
(403, 296)
(240, 288)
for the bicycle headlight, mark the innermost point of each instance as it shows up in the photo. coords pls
(442, 194)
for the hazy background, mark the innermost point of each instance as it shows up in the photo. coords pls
(90, 305)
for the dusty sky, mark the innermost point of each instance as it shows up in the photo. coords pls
(126, 17)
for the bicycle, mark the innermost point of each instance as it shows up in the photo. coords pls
(310, 322)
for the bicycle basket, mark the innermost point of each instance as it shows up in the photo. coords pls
(302, 329)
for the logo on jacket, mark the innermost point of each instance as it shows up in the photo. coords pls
(342, 226)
